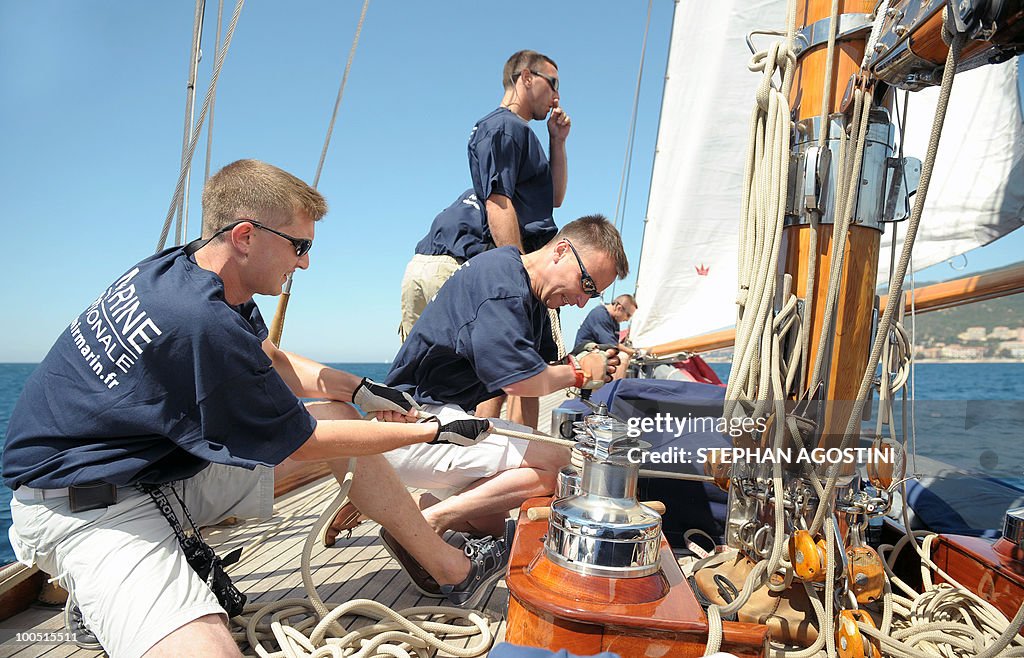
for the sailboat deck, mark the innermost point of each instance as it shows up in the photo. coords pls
(356, 568)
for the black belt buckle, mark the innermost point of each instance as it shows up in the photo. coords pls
(85, 497)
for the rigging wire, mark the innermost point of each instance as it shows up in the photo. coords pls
(341, 92)
(619, 220)
(194, 55)
(277, 326)
(186, 164)
(213, 101)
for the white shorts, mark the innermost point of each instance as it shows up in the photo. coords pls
(123, 562)
(446, 469)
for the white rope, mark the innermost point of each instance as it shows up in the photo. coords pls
(556, 333)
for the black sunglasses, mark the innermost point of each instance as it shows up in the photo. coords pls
(302, 245)
(587, 281)
(552, 80)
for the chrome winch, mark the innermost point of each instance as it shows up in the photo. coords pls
(601, 529)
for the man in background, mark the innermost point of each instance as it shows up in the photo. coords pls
(601, 326)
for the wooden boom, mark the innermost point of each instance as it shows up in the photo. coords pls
(948, 294)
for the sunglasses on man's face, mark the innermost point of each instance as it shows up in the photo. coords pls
(302, 245)
(551, 80)
(586, 281)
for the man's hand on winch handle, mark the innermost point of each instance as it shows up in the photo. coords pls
(597, 363)
(373, 397)
(462, 432)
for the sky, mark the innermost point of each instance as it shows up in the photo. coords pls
(93, 113)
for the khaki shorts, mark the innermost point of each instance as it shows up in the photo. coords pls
(446, 469)
(424, 276)
(123, 562)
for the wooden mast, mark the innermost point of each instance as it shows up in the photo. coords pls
(851, 329)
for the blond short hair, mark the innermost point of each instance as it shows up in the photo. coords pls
(246, 188)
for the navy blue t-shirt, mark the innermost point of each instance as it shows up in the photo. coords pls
(457, 231)
(152, 382)
(485, 330)
(505, 157)
(598, 327)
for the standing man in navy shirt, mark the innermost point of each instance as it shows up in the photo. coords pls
(488, 332)
(516, 186)
(168, 379)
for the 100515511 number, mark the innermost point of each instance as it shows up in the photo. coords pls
(44, 637)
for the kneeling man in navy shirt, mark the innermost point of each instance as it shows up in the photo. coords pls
(487, 332)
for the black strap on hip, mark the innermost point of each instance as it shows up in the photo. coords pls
(199, 555)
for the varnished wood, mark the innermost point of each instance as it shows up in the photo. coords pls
(552, 607)
(991, 285)
(976, 564)
(291, 475)
(948, 294)
(19, 596)
(926, 37)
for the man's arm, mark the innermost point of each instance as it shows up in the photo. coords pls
(558, 130)
(335, 439)
(550, 379)
(309, 379)
(556, 377)
(503, 222)
(559, 171)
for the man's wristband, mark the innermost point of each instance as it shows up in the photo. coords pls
(581, 378)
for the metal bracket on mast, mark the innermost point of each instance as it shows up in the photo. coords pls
(886, 181)
(850, 26)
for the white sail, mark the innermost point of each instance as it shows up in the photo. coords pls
(977, 189)
(686, 282)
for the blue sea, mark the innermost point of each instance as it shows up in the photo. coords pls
(970, 415)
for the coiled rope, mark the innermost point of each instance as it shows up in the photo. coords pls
(302, 628)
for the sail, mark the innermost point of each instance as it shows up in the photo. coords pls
(686, 281)
(977, 189)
